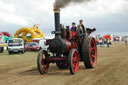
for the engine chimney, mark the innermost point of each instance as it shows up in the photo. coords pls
(57, 22)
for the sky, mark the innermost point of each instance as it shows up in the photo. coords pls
(105, 15)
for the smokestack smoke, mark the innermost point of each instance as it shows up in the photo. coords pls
(63, 3)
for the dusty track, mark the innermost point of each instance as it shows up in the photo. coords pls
(112, 69)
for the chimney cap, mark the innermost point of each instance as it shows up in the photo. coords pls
(56, 10)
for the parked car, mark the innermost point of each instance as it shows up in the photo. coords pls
(16, 45)
(32, 46)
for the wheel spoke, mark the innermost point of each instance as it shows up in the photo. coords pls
(76, 62)
(73, 59)
(92, 48)
(93, 56)
(43, 64)
(73, 55)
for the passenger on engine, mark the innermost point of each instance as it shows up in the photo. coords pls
(73, 28)
(81, 27)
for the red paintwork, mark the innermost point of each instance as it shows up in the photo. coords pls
(93, 57)
(57, 59)
(44, 65)
(71, 41)
(75, 61)
(68, 43)
(74, 34)
(74, 45)
(71, 35)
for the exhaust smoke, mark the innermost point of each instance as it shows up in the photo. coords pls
(63, 3)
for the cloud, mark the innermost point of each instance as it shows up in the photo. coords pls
(97, 8)
(26, 12)
(20, 13)
(41, 5)
(7, 7)
(8, 14)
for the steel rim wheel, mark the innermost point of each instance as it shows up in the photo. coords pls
(93, 52)
(89, 52)
(73, 61)
(42, 64)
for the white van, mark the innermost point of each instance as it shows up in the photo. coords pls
(42, 42)
(16, 45)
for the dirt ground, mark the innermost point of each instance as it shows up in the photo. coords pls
(111, 69)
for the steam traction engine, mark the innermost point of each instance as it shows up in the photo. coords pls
(67, 49)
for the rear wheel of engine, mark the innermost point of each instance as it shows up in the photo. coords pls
(42, 64)
(89, 52)
(62, 65)
(73, 61)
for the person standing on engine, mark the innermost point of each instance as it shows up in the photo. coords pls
(73, 28)
(81, 27)
(81, 32)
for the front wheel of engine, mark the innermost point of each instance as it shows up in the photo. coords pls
(73, 61)
(42, 64)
